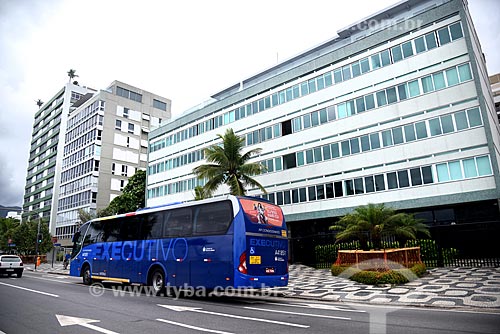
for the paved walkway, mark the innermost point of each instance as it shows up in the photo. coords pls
(440, 287)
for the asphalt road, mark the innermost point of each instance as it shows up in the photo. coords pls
(44, 303)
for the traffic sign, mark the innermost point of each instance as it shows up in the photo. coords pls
(57, 245)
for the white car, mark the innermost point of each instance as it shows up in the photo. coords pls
(11, 264)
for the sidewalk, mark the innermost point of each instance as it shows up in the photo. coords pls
(440, 287)
(47, 268)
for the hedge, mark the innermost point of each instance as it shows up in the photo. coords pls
(374, 277)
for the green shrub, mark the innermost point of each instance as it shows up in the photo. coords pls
(419, 269)
(374, 277)
(338, 269)
(366, 277)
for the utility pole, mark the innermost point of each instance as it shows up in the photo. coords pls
(37, 241)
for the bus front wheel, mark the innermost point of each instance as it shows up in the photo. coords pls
(87, 276)
(157, 281)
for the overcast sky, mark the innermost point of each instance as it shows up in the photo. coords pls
(182, 50)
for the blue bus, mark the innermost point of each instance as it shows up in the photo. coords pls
(222, 242)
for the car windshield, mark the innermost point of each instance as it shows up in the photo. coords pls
(11, 259)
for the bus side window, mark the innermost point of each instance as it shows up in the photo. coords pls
(111, 230)
(179, 223)
(152, 225)
(94, 233)
(213, 218)
(130, 228)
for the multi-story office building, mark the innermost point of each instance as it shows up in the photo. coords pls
(45, 157)
(396, 109)
(86, 144)
(105, 143)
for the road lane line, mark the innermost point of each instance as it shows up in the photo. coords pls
(297, 313)
(318, 307)
(201, 329)
(98, 329)
(199, 310)
(30, 290)
(49, 279)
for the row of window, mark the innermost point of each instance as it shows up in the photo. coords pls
(380, 59)
(471, 167)
(83, 127)
(176, 187)
(80, 155)
(202, 219)
(77, 200)
(85, 113)
(128, 94)
(439, 80)
(65, 232)
(402, 134)
(52, 129)
(80, 141)
(176, 162)
(47, 120)
(79, 170)
(77, 185)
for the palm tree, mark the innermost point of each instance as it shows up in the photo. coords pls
(72, 74)
(406, 227)
(227, 165)
(364, 222)
(200, 193)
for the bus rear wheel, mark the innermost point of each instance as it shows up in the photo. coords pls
(157, 281)
(86, 275)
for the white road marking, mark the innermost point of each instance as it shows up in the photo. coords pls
(30, 290)
(318, 307)
(65, 320)
(297, 313)
(201, 329)
(199, 310)
(48, 279)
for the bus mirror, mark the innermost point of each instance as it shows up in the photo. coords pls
(76, 236)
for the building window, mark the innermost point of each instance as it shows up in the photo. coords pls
(128, 94)
(130, 128)
(118, 124)
(159, 105)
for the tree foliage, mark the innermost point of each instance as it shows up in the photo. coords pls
(132, 198)
(372, 221)
(228, 165)
(24, 236)
(8, 227)
(199, 193)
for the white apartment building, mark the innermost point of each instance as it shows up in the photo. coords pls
(86, 144)
(396, 109)
(105, 144)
